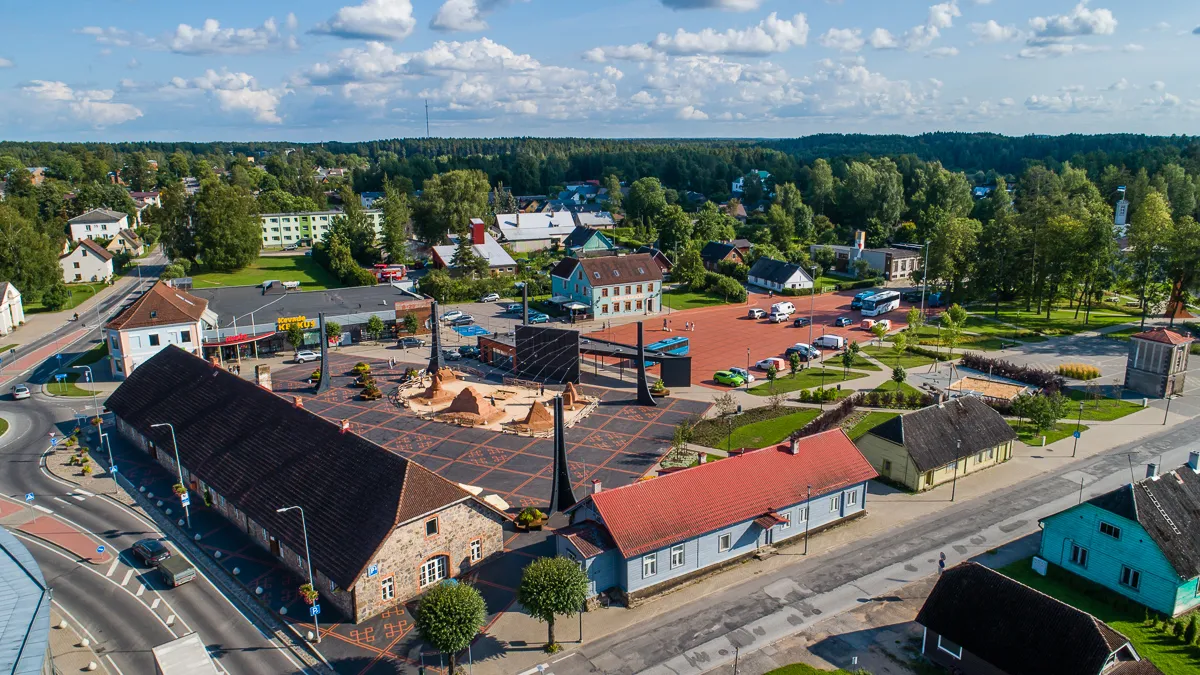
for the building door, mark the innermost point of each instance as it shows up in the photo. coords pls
(274, 547)
(769, 536)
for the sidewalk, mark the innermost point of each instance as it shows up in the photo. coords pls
(38, 521)
(67, 652)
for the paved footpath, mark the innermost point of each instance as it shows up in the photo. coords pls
(15, 370)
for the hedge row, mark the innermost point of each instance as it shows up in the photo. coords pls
(839, 286)
(929, 353)
(1048, 381)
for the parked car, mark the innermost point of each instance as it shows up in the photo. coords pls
(408, 341)
(20, 391)
(807, 352)
(784, 307)
(779, 317)
(830, 342)
(866, 324)
(451, 354)
(306, 356)
(175, 571)
(469, 352)
(289, 247)
(308, 253)
(743, 372)
(886, 323)
(490, 297)
(452, 315)
(801, 321)
(766, 363)
(150, 551)
(756, 313)
(726, 377)
(913, 296)
(462, 320)
(538, 317)
(843, 321)
(514, 308)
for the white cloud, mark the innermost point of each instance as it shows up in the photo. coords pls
(882, 38)
(371, 20)
(1164, 101)
(109, 36)
(92, 106)
(688, 112)
(1132, 48)
(994, 32)
(207, 39)
(727, 5)
(635, 52)
(1067, 103)
(291, 21)
(1158, 85)
(5, 63)
(771, 35)
(1081, 21)
(236, 92)
(941, 16)
(464, 15)
(1056, 49)
(1120, 85)
(643, 98)
(613, 73)
(842, 39)
(942, 52)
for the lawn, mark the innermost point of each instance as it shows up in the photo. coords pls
(78, 293)
(6, 348)
(1026, 434)
(1061, 321)
(1167, 652)
(312, 277)
(67, 387)
(859, 362)
(928, 336)
(887, 357)
(712, 431)
(93, 355)
(1103, 409)
(3, 426)
(805, 669)
(768, 432)
(870, 421)
(677, 299)
(807, 378)
(984, 325)
(1123, 334)
(906, 388)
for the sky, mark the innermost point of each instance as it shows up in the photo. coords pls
(316, 70)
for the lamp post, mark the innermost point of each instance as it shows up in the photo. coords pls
(91, 380)
(108, 446)
(954, 485)
(187, 514)
(748, 372)
(925, 275)
(807, 515)
(812, 299)
(308, 560)
(1168, 410)
(1077, 423)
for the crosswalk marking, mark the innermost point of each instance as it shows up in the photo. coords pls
(154, 605)
(60, 499)
(141, 589)
(113, 568)
(85, 492)
(171, 620)
(41, 508)
(128, 575)
(77, 497)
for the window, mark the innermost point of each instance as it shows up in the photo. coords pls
(616, 273)
(641, 270)
(185, 336)
(802, 514)
(604, 292)
(852, 498)
(431, 527)
(387, 588)
(627, 306)
(887, 466)
(112, 341)
(1111, 530)
(154, 339)
(929, 478)
(576, 289)
(835, 503)
(579, 276)
(649, 565)
(332, 586)
(628, 290)
(639, 304)
(476, 550)
(787, 521)
(949, 647)
(639, 288)
(604, 309)
(596, 274)
(1131, 577)
(433, 571)
(616, 290)
(76, 265)
(724, 542)
(1079, 555)
(677, 556)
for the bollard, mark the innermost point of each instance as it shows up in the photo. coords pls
(197, 537)
(84, 643)
(309, 636)
(62, 623)
(92, 665)
(258, 590)
(1043, 441)
(142, 488)
(283, 610)
(149, 495)
(216, 554)
(179, 522)
(168, 511)
(237, 571)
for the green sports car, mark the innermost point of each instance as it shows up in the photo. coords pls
(729, 378)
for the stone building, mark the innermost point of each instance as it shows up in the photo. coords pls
(1157, 362)
(381, 529)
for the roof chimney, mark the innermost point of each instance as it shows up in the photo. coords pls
(596, 487)
(794, 445)
(703, 457)
(345, 426)
(297, 401)
(1194, 461)
(1152, 471)
(477, 229)
(262, 376)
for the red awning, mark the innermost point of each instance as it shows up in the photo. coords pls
(241, 338)
(769, 520)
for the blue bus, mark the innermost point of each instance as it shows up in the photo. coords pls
(857, 302)
(677, 346)
(880, 303)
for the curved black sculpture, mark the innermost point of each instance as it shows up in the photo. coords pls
(562, 497)
(644, 397)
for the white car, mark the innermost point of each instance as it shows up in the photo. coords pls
(886, 323)
(490, 297)
(756, 313)
(830, 342)
(766, 363)
(743, 372)
(779, 317)
(306, 356)
(20, 391)
(452, 315)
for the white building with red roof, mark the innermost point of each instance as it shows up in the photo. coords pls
(641, 538)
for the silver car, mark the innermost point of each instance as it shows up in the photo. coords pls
(20, 391)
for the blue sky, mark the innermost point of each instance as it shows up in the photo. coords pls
(349, 70)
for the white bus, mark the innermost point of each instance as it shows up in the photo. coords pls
(880, 303)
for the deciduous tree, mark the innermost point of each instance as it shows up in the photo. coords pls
(228, 229)
(449, 617)
(552, 587)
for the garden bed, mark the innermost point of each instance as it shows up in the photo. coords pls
(714, 432)
(805, 379)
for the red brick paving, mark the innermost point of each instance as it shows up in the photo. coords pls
(67, 537)
(8, 508)
(723, 334)
(29, 359)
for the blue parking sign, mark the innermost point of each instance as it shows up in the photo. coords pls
(53, 441)
(1076, 434)
(314, 610)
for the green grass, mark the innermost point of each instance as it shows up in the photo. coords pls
(872, 420)
(93, 355)
(3, 426)
(905, 387)
(312, 277)
(78, 294)
(859, 362)
(1026, 434)
(768, 432)
(1167, 652)
(887, 357)
(1061, 321)
(5, 349)
(67, 387)
(1123, 334)
(984, 325)
(805, 669)
(808, 378)
(679, 300)
(1101, 410)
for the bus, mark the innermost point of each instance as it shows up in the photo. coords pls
(677, 346)
(880, 303)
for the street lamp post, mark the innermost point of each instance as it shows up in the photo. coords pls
(1168, 410)
(187, 513)
(1077, 423)
(812, 299)
(91, 380)
(807, 515)
(308, 560)
(108, 446)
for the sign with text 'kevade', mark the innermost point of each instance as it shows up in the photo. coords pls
(285, 322)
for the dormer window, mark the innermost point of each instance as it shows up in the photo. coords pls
(616, 273)
(596, 274)
(641, 270)
(154, 314)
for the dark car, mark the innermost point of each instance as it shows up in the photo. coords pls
(843, 321)
(514, 308)
(911, 296)
(800, 321)
(406, 342)
(469, 352)
(464, 320)
(451, 355)
(150, 551)
(807, 353)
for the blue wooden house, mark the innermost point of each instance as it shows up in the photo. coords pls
(641, 538)
(1141, 540)
(586, 240)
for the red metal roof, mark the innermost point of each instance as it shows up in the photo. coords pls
(1163, 335)
(588, 536)
(652, 514)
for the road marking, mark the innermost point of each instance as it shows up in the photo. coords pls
(85, 492)
(128, 576)
(171, 620)
(78, 497)
(113, 567)
(141, 589)
(60, 499)
(41, 508)
(86, 633)
(154, 605)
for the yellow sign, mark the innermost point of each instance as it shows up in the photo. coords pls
(286, 322)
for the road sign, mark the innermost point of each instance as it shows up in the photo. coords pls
(59, 357)
(28, 496)
(114, 468)
(100, 548)
(185, 499)
(372, 570)
(60, 377)
(1076, 434)
(314, 610)
(53, 441)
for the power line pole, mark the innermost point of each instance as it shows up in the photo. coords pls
(426, 118)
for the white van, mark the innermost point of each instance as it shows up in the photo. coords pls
(830, 342)
(783, 308)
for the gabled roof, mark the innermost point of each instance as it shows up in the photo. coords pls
(742, 244)
(588, 536)
(580, 236)
(1017, 629)
(776, 271)
(1163, 335)
(649, 515)
(611, 270)
(97, 216)
(261, 453)
(131, 237)
(490, 250)
(162, 305)
(931, 434)
(716, 251)
(96, 249)
(1173, 523)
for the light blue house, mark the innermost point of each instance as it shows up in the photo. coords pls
(638, 539)
(1141, 540)
(607, 286)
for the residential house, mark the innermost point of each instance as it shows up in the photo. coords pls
(938, 444)
(12, 308)
(597, 220)
(485, 246)
(97, 224)
(643, 537)
(283, 229)
(738, 211)
(1141, 540)
(586, 241)
(162, 316)
(88, 261)
(893, 263)
(147, 198)
(608, 286)
(126, 241)
(742, 245)
(739, 184)
(664, 263)
(715, 252)
(380, 529)
(777, 275)
(190, 185)
(368, 199)
(1157, 362)
(977, 621)
(524, 232)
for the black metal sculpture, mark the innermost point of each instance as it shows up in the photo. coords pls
(644, 397)
(435, 342)
(562, 497)
(323, 381)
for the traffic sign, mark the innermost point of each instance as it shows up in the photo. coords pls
(100, 548)
(314, 610)
(372, 570)
(53, 441)
(1076, 434)
(28, 496)
(114, 468)
(185, 499)
(60, 377)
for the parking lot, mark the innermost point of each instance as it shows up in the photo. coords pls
(724, 337)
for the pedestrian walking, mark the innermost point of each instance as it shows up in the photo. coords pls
(664, 325)
(941, 563)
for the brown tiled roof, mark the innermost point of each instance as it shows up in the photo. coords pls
(588, 536)
(131, 237)
(262, 453)
(101, 252)
(162, 305)
(1163, 335)
(610, 270)
(931, 435)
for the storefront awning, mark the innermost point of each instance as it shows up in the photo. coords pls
(559, 299)
(575, 305)
(241, 338)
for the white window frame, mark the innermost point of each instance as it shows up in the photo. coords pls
(787, 521)
(835, 503)
(1079, 556)
(678, 557)
(387, 588)
(852, 498)
(1115, 532)
(724, 542)
(476, 550)
(950, 642)
(1134, 581)
(434, 567)
(649, 565)
(802, 514)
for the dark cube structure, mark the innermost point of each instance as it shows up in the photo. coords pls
(547, 354)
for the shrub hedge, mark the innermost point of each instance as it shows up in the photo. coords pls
(1048, 381)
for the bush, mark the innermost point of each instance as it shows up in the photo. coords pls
(1048, 381)
(916, 399)
(928, 353)
(873, 398)
(805, 397)
(528, 516)
(1079, 371)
